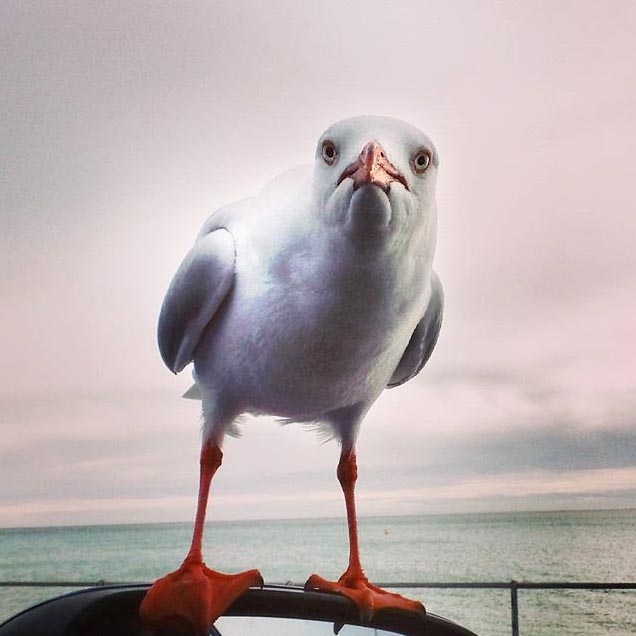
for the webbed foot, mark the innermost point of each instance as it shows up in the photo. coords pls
(368, 597)
(190, 599)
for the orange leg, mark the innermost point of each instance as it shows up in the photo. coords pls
(354, 583)
(190, 599)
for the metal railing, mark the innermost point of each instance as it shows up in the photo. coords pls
(513, 586)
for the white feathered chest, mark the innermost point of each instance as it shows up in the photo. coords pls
(313, 326)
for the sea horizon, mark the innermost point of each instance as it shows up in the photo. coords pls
(335, 518)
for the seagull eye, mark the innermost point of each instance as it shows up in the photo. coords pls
(329, 152)
(421, 161)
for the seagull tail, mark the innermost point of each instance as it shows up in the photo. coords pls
(193, 393)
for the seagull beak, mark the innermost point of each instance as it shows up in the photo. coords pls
(372, 166)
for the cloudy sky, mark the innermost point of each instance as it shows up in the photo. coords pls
(124, 124)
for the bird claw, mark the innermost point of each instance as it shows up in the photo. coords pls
(189, 600)
(368, 597)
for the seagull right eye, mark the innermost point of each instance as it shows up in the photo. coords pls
(329, 152)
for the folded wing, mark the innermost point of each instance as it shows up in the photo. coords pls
(195, 294)
(423, 340)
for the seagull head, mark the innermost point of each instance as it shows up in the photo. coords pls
(374, 180)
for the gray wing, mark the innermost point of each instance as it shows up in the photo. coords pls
(423, 340)
(196, 292)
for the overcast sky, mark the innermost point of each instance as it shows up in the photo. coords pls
(124, 124)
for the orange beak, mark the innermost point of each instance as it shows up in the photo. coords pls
(372, 166)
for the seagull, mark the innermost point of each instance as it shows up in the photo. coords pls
(305, 302)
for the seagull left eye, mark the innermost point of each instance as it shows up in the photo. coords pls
(421, 161)
(329, 152)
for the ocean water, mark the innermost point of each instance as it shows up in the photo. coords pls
(539, 547)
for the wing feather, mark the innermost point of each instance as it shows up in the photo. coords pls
(424, 338)
(196, 292)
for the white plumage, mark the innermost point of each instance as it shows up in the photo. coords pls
(305, 302)
(301, 301)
